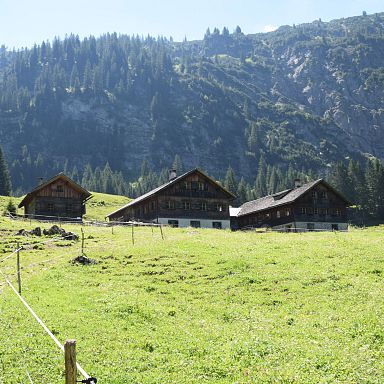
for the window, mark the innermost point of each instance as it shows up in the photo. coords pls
(50, 207)
(203, 206)
(173, 223)
(303, 210)
(219, 207)
(316, 211)
(314, 194)
(201, 186)
(194, 185)
(310, 226)
(278, 214)
(186, 185)
(170, 204)
(195, 224)
(59, 188)
(338, 212)
(323, 194)
(216, 224)
(335, 227)
(186, 205)
(287, 212)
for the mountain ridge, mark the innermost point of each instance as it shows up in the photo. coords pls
(306, 96)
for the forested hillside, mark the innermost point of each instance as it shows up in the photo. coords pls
(298, 99)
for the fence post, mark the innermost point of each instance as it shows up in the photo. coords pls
(133, 238)
(82, 242)
(18, 267)
(70, 362)
(161, 230)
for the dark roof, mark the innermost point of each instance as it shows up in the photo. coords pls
(169, 183)
(61, 175)
(283, 198)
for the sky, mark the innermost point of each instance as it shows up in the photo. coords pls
(25, 22)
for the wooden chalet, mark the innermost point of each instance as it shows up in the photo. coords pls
(312, 206)
(58, 198)
(192, 199)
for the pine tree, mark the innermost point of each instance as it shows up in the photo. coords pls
(261, 178)
(241, 192)
(339, 179)
(5, 180)
(178, 165)
(230, 181)
(272, 181)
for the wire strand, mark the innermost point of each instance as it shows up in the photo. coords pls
(52, 336)
(6, 258)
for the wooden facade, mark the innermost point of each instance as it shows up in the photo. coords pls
(313, 206)
(58, 198)
(192, 199)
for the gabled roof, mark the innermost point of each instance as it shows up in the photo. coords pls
(168, 184)
(284, 197)
(62, 176)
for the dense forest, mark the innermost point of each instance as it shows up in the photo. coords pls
(117, 111)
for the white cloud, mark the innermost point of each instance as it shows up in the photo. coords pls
(270, 28)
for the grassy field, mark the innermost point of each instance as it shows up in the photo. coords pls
(102, 204)
(199, 306)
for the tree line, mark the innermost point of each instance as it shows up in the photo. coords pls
(360, 182)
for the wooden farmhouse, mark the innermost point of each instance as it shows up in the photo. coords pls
(192, 199)
(59, 197)
(312, 206)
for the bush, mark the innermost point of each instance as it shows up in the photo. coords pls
(11, 207)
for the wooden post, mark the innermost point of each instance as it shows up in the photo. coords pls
(70, 362)
(133, 238)
(161, 230)
(112, 229)
(18, 267)
(82, 242)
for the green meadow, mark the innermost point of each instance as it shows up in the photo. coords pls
(199, 306)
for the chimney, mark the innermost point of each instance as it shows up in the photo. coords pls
(297, 183)
(172, 174)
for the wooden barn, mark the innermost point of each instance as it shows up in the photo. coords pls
(312, 206)
(192, 199)
(59, 197)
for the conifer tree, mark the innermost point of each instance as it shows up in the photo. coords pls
(241, 192)
(261, 178)
(230, 181)
(5, 180)
(178, 165)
